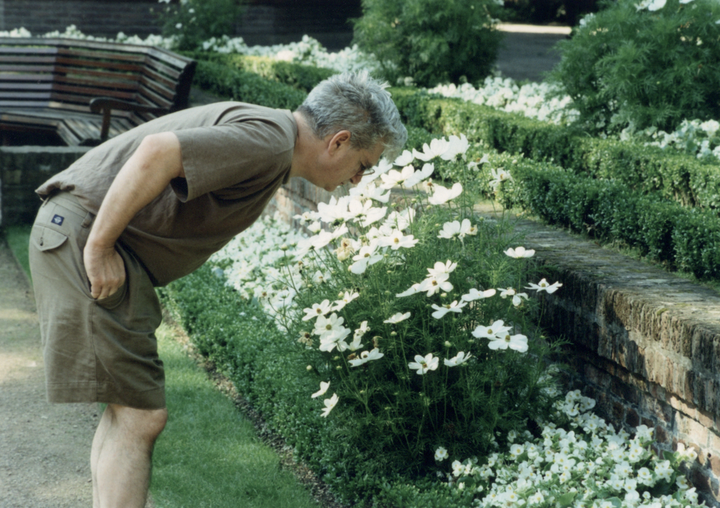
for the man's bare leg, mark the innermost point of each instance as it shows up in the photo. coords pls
(121, 455)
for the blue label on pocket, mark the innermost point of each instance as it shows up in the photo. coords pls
(58, 219)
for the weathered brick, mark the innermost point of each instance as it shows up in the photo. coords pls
(632, 418)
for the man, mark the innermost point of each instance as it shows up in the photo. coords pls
(150, 206)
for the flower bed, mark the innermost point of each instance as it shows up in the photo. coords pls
(417, 318)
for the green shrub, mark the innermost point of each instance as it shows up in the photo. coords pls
(431, 41)
(191, 22)
(629, 66)
(238, 85)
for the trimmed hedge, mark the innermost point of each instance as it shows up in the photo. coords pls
(676, 177)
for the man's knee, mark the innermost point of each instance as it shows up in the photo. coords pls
(145, 423)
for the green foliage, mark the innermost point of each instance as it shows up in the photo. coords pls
(300, 76)
(239, 85)
(630, 67)
(192, 22)
(18, 238)
(432, 41)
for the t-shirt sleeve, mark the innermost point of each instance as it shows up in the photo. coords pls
(225, 155)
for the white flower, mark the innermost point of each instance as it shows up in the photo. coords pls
(396, 318)
(419, 176)
(424, 364)
(432, 285)
(544, 286)
(474, 294)
(436, 148)
(442, 195)
(393, 177)
(404, 159)
(440, 311)
(497, 329)
(458, 468)
(499, 176)
(656, 5)
(333, 210)
(317, 309)
(329, 404)
(178, 26)
(455, 228)
(327, 326)
(520, 252)
(365, 357)
(323, 388)
(344, 300)
(366, 257)
(397, 240)
(517, 342)
(456, 146)
(458, 359)
(441, 454)
(440, 268)
(415, 288)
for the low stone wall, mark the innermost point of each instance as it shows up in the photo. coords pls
(644, 343)
(22, 170)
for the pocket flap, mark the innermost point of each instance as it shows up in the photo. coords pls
(46, 238)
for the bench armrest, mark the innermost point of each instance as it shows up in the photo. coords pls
(105, 105)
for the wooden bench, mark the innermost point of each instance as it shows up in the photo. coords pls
(86, 91)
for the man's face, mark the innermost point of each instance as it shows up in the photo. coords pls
(342, 163)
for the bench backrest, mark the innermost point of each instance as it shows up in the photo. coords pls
(68, 73)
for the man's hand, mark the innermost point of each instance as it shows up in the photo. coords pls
(105, 271)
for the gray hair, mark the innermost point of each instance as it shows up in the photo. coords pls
(357, 103)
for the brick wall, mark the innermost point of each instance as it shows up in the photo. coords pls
(264, 22)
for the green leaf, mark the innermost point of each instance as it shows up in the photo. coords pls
(566, 499)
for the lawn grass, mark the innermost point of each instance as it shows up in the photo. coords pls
(18, 238)
(209, 455)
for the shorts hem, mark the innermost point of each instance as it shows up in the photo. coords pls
(91, 392)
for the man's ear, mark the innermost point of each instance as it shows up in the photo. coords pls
(339, 139)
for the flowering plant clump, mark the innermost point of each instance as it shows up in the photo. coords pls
(412, 312)
(578, 461)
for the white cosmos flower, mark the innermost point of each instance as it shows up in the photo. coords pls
(323, 388)
(370, 191)
(520, 252)
(344, 300)
(328, 326)
(335, 339)
(358, 335)
(365, 357)
(373, 215)
(433, 285)
(499, 176)
(330, 404)
(419, 175)
(437, 147)
(475, 165)
(474, 294)
(315, 227)
(424, 364)
(404, 159)
(458, 359)
(518, 298)
(333, 210)
(319, 277)
(456, 229)
(396, 318)
(517, 342)
(415, 288)
(493, 331)
(442, 194)
(456, 146)
(400, 220)
(307, 217)
(396, 240)
(316, 310)
(321, 239)
(543, 285)
(441, 310)
(366, 257)
(393, 177)
(442, 268)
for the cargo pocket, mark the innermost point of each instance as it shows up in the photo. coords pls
(45, 239)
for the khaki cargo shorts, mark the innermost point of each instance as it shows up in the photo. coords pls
(94, 350)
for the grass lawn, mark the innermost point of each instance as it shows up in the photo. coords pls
(18, 238)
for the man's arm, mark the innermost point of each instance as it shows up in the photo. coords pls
(144, 176)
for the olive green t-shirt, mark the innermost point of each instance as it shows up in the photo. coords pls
(235, 156)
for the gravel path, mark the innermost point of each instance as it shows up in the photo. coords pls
(44, 448)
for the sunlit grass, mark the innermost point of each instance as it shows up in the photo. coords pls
(209, 455)
(18, 238)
